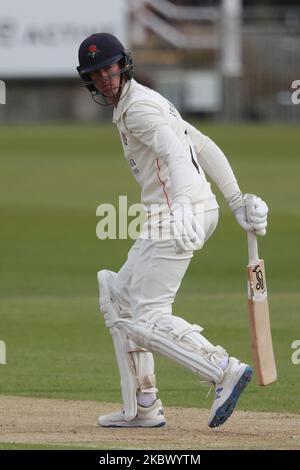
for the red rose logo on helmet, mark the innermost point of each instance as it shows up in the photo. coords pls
(93, 51)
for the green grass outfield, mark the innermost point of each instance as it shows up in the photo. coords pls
(52, 180)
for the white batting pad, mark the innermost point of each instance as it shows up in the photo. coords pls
(175, 338)
(136, 366)
(144, 367)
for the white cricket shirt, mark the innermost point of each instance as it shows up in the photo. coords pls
(159, 148)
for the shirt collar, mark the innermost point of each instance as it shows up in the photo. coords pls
(124, 99)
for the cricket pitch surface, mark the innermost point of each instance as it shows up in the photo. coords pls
(26, 420)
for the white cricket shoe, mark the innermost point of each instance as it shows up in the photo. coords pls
(236, 376)
(147, 417)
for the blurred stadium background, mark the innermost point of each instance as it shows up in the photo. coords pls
(221, 59)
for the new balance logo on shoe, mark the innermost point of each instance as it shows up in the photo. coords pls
(236, 378)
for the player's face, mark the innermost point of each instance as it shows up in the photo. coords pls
(107, 80)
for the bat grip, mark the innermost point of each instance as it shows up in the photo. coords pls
(252, 248)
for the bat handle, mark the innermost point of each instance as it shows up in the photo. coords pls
(252, 248)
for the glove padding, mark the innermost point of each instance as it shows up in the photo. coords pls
(250, 211)
(186, 230)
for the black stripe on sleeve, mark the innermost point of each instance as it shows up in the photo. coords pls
(193, 160)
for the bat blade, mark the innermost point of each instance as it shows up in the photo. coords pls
(260, 329)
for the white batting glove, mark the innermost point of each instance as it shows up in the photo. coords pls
(186, 230)
(250, 211)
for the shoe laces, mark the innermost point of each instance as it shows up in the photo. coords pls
(207, 384)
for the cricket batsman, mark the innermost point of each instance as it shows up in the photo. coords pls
(170, 159)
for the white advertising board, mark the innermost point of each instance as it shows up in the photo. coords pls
(41, 38)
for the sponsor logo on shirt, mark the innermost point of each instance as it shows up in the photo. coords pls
(133, 167)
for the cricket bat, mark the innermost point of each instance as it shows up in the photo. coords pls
(259, 319)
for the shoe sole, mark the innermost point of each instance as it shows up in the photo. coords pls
(226, 410)
(123, 425)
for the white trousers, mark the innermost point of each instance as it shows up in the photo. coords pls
(146, 285)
